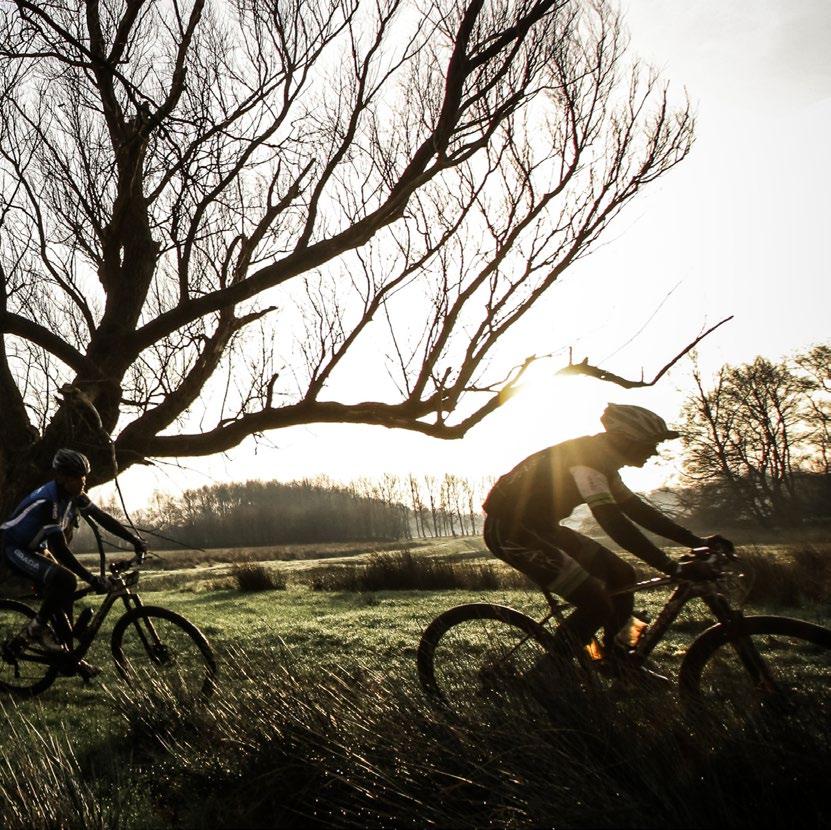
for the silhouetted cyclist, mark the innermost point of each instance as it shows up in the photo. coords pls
(35, 545)
(525, 507)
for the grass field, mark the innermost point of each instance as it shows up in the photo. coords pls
(320, 720)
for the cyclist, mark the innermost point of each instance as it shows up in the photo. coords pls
(525, 507)
(36, 545)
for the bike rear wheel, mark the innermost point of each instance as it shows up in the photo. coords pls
(24, 671)
(165, 652)
(482, 655)
(762, 665)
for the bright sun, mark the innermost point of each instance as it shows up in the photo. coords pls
(549, 408)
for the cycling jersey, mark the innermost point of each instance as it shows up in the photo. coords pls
(545, 488)
(44, 514)
(548, 485)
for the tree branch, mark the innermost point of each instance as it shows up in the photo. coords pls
(585, 368)
(11, 323)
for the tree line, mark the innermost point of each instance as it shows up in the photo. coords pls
(254, 513)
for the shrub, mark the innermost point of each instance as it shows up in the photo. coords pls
(404, 571)
(254, 576)
(790, 578)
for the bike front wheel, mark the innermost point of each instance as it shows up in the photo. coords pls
(24, 670)
(760, 665)
(485, 656)
(165, 652)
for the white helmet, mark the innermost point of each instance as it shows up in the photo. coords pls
(636, 423)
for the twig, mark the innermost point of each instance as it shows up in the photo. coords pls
(585, 368)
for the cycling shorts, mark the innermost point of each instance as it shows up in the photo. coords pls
(34, 565)
(555, 557)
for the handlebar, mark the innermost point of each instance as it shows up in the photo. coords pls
(125, 564)
(717, 554)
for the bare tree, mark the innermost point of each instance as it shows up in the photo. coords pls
(814, 366)
(432, 488)
(417, 505)
(469, 496)
(743, 434)
(215, 212)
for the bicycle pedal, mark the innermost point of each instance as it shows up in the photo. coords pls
(641, 677)
(87, 671)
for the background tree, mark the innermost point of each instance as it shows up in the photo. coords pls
(214, 211)
(815, 369)
(752, 438)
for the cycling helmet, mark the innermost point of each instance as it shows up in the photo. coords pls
(70, 462)
(636, 423)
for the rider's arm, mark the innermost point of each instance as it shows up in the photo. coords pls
(651, 518)
(612, 520)
(61, 551)
(595, 489)
(108, 522)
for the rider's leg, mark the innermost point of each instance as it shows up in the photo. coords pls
(56, 583)
(62, 617)
(598, 602)
(539, 553)
(617, 575)
(58, 588)
(593, 609)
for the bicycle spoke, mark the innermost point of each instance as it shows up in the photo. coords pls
(488, 662)
(770, 674)
(164, 657)
(23, 669)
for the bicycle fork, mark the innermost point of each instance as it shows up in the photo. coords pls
(755, 665)
(146, 630)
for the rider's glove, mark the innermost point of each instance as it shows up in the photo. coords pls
(140, 547)
(101, 584)
(717, 542)
(695, 570)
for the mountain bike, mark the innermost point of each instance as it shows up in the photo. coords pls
(150, 644)
(484, 654)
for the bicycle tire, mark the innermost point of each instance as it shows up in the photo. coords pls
(722, 670)
(36, 677)
(165, 650)
(474, 654)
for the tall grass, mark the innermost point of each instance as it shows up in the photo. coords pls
(405, 571)
(797, 576)
(282, 745)
(361, 748)
(43, 785)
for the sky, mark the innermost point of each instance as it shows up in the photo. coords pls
(739, 228)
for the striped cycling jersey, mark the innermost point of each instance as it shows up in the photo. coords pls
(43, 513)
(548, 485)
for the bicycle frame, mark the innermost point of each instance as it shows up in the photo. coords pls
(130, 599)
(76, 653)
(683, 593)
